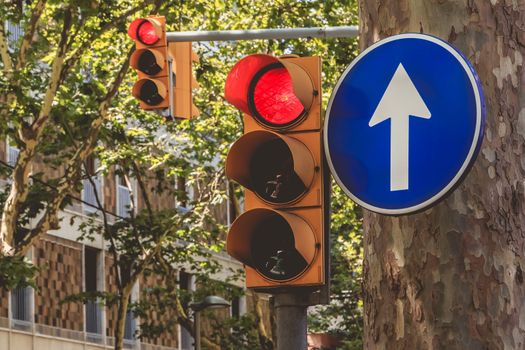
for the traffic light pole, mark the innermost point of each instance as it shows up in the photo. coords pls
(253, 34)
(290, 313)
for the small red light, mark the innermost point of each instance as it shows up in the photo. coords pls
(146, 33)
(274, 98)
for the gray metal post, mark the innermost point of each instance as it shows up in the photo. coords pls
(290, 313)
(197, 328)
(253, 34)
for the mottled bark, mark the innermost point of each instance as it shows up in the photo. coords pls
(452, 276)
(30, 137)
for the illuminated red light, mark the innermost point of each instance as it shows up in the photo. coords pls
(146, 33)
(143, 31)
(274, 98)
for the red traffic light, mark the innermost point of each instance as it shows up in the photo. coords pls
(277, 93)
(148, 31)
(271, 97)
(282, 237)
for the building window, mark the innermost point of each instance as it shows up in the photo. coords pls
(123, 197)
(12, 154)
(20, 303)
(186, 283)
(90, 188)
(14, 33)
(235, 309)
(92, 279)
(22, 306)
(185, 194)
(238, 306)
(130, 326)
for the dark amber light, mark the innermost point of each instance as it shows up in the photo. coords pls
(148, 64)
(149, 93)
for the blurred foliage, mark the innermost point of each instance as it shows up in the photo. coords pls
(16, 272)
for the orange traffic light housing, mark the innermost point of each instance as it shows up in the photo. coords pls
(282, 237)
(150, 59)
(165, 71)
(183, 58)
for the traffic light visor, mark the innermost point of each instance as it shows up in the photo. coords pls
(275, 92)
(278, 168)
(146, 30)
(280, 246)
(150, 91)
(148, 61)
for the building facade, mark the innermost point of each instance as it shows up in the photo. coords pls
(37, 319)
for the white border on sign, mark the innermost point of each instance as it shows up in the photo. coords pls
(473, 146)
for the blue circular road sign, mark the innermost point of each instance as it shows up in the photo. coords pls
(404, 123)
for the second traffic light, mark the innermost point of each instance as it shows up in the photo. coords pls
(164, 69)
(281, 238)
(150, 59)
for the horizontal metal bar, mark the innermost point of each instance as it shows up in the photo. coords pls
(252, 34)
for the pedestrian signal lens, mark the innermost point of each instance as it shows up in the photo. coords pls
(274, 178)
(272, 98)
(148, 63)
(146, 33)
(274, 252)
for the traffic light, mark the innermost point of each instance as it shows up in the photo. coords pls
(150, 59)
(165, 70)
(282, 236)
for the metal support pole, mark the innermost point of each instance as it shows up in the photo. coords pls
(252, 34)
(197, 328)
(290, 313)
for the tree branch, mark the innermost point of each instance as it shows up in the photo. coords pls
(30, 32)
(182, 314)
(143, 191)
(73, 166)
(132, 208)
(4, 52)
(106, 225)
(30, 137)
(79, 51)
(264, 340)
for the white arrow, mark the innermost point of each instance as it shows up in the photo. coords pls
(400, 101)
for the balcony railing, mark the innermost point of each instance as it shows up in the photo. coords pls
(37, 329)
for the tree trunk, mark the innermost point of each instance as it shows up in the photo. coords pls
(121, 317)
(452, 276)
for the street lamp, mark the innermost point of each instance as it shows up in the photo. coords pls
(210, 302)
